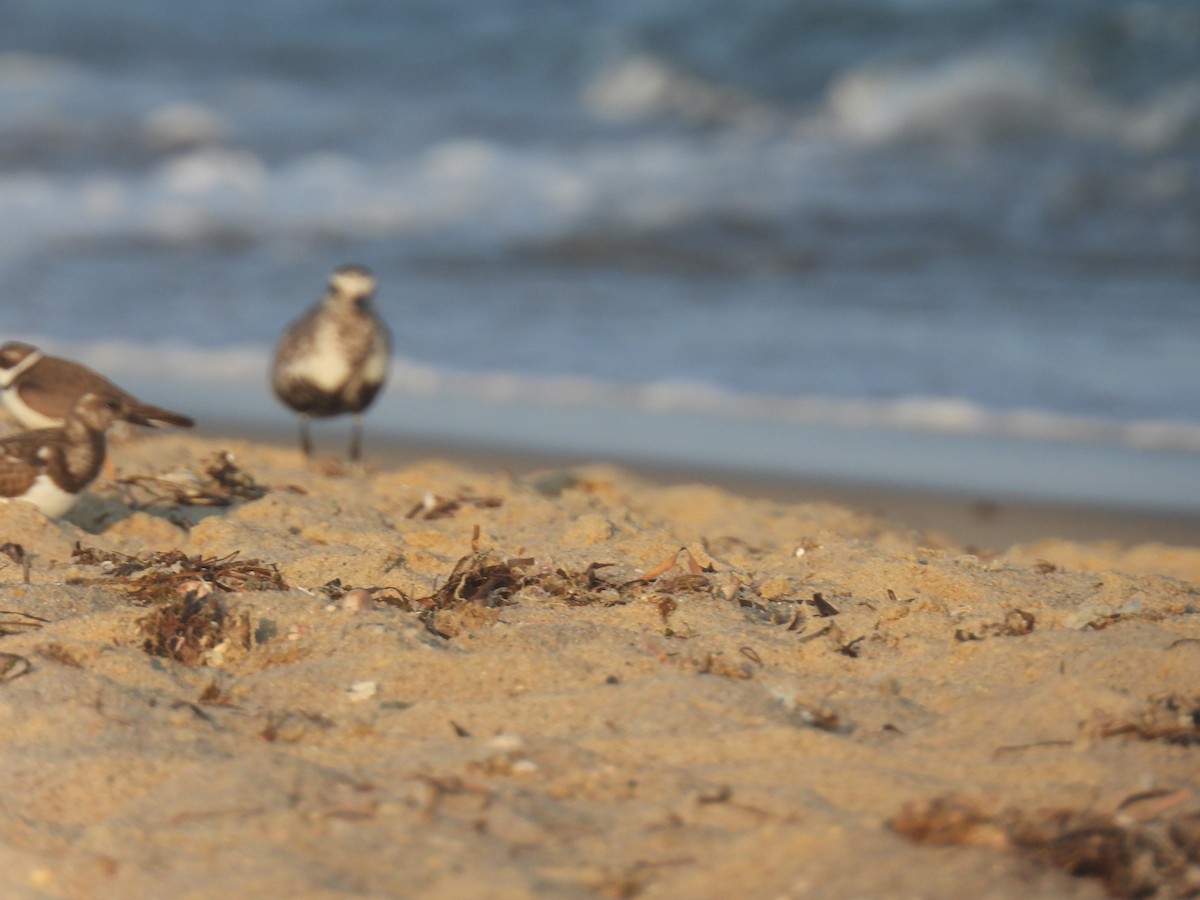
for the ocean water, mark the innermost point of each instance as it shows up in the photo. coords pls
(955, 244)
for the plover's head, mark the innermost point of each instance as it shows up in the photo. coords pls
(352, 283)
(15, 358)
(97, 411)
(13, 353)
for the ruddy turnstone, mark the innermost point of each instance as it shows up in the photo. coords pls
(41, 390)
(51, 467)
(334, 358)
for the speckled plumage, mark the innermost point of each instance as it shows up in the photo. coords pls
(334, 358)
(51, 467)
(40, 390)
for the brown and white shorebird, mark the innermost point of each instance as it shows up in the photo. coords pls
(51, 467)
(334, 358)
(40, 390)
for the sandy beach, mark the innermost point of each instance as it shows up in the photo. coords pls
(227, 674)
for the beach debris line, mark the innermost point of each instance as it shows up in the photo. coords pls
(164, 575)
(483, 581)
(217, 481)
(1135, 850)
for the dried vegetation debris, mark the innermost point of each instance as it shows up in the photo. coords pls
(487, 580)
(194, 628)
(1134, 857)
(189, 620)
(1016, 623)
(166, 574)
(216, 481)
(17, 622)
(482, 578)
(1172, 719)
(435, 506)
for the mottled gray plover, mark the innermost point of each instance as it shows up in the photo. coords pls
(40, 390)
(51, 467)
(334, 358)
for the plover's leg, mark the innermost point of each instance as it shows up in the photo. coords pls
(305, 440)
(356, 437)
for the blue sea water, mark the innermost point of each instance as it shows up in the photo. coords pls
(928, 220)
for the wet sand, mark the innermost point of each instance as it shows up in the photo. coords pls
(576, 681)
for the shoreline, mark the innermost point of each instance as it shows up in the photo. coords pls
(981, 520)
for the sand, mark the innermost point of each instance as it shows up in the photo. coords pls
(576, 683)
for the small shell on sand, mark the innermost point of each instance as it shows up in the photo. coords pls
(362, 690)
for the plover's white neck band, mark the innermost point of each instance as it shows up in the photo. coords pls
(8, 376)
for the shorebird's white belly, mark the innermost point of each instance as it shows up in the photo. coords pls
(47, 496)
(325, 365)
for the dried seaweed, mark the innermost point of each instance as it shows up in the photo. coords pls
(433, 506)
(482, 578)
(717, 664)
(480, 581)
(823, 607)
(1172, 719)
(289, 726)
(1132, 859)
(16, 622)
(219, 482)
(59, 654)
(850, 648)
(188, 627)
(581, 588)
(160, 576)
(1017, 623)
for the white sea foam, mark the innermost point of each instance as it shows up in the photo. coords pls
(209, 171)
(979, 99)
(645, 87)
(968, 99)
(180, 125)
(191, 180)
(473, 188)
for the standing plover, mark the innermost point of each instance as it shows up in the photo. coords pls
(334, 358)
(51, 467)
(41, 390)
